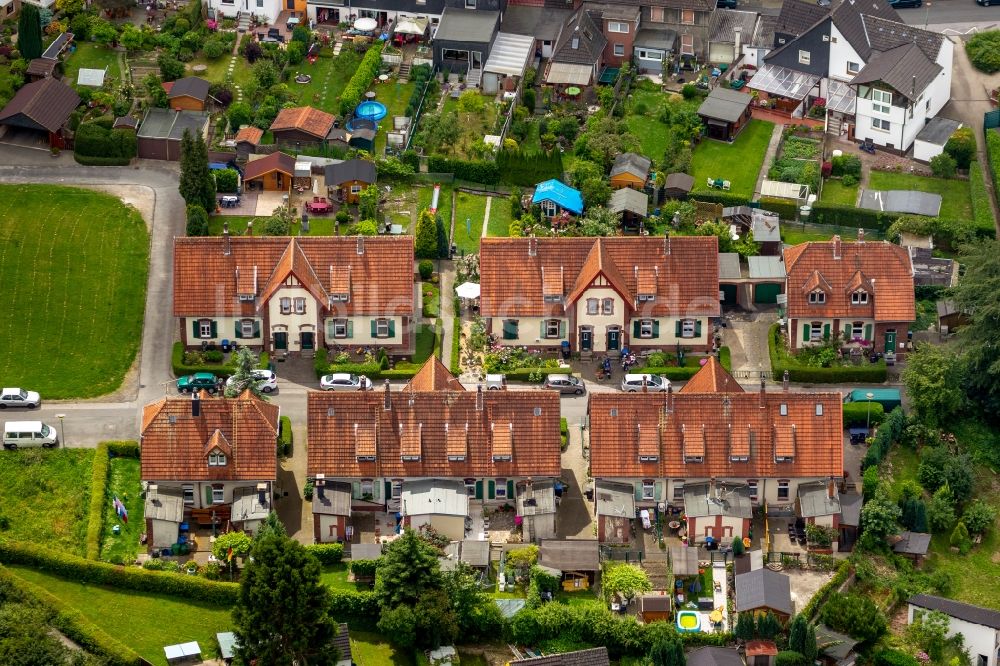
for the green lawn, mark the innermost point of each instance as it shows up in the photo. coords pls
(123, 482)
(644, 122)
(426, 193)
(318, 226)
(369, 649)
(217, 71)
(45, 495)
(499, 223)
(74, 266)
(956, 202)
(471, 208)
(738, 162)
(335, 577)
(329, 77)
(835, 192)
(796, 236)
(91, 56)
(431, 299)
(396, 97)
(142, 621)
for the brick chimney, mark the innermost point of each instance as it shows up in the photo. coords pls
(387, 400)
(763, 394)
(250, 228)
(195, 404)
(784, 381)
(361, 245)
(532, 246)
(861, 235)
(479, 398)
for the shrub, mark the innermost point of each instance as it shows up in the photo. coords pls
(364, 568)
(689, 91)
(719, 197)
(962, 147)
(528, 99)
(359, 606)
(982, 212)
(362, 78)
(98, 492)
(327, 553)
(226, 180)
(960, 538)
(128, 578)
(785, 208)
(891, 657)
(97, 141)
(307, 491)
(857, 414)
(984, 51)
(849, 216)
(285, 439)
(171, 68)
(823, 593)
(476, 171)
(296, 52)
(891, 430)
(526, 169)
(426, 269)
(943, 165)
(180, 367)
(789, 658)
(846, 165)
(849, 180)
(214, 48)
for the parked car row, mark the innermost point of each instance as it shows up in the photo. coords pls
(267, 382)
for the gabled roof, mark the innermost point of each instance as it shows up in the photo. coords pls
(987, 617)
(627, 199)
(175, 444)
(725, 104)
(912, 543)
(459, 25)
(433, 376)
(904, 67)
(743, 435)
(722, 28)
(796, 17)
(350, 170)
(507, 433)
(560, 193)
(47, 102)
(250, 134)
(41, 67)
(714, 656)
(763, 34)
(815, 265)
(591, 657)
(580, 41)
(885, 32)
(190, 86)
(305, 118)
(712, 378)
(209, 281)
(850, 16)
(637, 165)
(685, 268)
(697, 5)
(763, 588)
(277, 161)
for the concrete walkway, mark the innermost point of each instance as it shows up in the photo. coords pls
(772, 151)
(575, 518)
(446, 284)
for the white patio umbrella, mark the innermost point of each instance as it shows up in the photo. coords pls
(467, 290)
(365, 24)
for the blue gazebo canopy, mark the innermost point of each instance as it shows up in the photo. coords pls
(559, 193)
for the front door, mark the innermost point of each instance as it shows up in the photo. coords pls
(614, 339)
(890, 341)
(307, 339)
(280, 340)
(586, 339)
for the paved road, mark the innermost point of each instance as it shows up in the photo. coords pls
(947, 16)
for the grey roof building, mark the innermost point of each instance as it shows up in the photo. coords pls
(592, 657)
(714, 656)
(637, 165)
(765, 590)
(912, 543)
(988, 617)
(701, 500)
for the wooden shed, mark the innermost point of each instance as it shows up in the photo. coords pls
(272, 173)
(655, 608)
(187, 94)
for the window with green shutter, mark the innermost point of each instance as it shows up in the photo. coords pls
(562, 329)
(510, 489)
(238, 326)
(374, 328)
(392, 328)
(656, 328)
(356, 490)
(868, 332)
(388, 489)
(541, 328)
(350, 328)
(697, 328)
(256, 328)
(806, 332)
(479, 489)
(826, 331)
(491, 489)
(659, 490)
(215, 329)
(636, 328)
(678, 328)
(638, 490)
(194, 329)
(510, 329)
(208, 495)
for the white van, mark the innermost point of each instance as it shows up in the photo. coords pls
(26, 434)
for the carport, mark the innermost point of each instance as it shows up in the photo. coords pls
(162, 129)
(730, 277)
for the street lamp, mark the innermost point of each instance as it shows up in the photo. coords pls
(62, 427)
(868, 421)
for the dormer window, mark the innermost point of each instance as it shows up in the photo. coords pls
(553, 298)
(216, 459)
(246, 298)
(342, 298)
(817, 297)
(647, 298)
(859, 297)
(503, 442)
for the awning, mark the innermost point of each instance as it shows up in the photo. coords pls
(510, 54)
(573, 75)
(411, 26)
(840, 97)
(783, 82)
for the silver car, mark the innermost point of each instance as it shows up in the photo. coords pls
(343, 381)
(633, 383)
(565, 384)
(266, 380)
(18, 397)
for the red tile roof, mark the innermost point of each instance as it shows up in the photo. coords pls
(712, 378)
(175, 444)
(721, 429)
(305, 118)
(881, 268)
(459, 434)
(278, 161)
(207, 281)
(516, 273)
(433, 376)
(250, 134)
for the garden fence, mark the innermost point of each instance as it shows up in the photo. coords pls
(510, 114)
(420, 109)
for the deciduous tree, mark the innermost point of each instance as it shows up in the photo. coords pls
(978, 293)
(626, 580)
(425, 242)
(935, 383)
(879, 517)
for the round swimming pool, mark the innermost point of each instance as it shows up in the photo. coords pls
(688, 621)
(370, 110)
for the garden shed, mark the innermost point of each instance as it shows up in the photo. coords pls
(655, 607)
(91, 78)
(41, 68)
(536, 506)
(684, 561)
(615, 511)
(331, 507)
(929, 142)
(678, 186)
(41, 106)
(187, 94)
(631, 205)
(764, 590)
(161, 131)
(725, 113)
(836, 649)
(912, 545)
(577, 559)
(439, 503)
(164, 512)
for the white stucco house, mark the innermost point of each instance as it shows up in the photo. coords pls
(979, 627)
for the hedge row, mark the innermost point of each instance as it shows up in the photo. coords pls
(129, 578)
(347, 605)
(180, 369)
(476, 171)
(99, 490)
(285, 437)
(849, 216)
(785, 208)
(726, 358)
(672, 372)
(73, 624)
(362, 79)
(94, 141)
(866, 373)
(525, 374)
(88, 160)
(993, 157)
(982, 211)
(364, 568)
(823, 593)
(857, 414)
(527, 169)
(456, 347)
(719, 197)
(891, 429)
(327, 553)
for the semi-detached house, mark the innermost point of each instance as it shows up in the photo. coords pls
(432, 454)
(295, 294)
(718, 452)
(601, 294)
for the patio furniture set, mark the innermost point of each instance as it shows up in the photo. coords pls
(719, 184)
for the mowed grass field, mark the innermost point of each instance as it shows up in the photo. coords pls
(73, 264)
(45, 494)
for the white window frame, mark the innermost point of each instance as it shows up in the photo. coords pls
(607, 306)
(881, 125)
(853, 67)
(753, 485)
(858, 330)
(549, 208)
(593, 306)
(551, 328)
(615, 26)
(397, 488)
(805, 57)
(687, 44)
(500, 489)
(646, 328)
(688, 328)
(300, 305)
(246, 328)
(619, 50)
(470, 4)
(285, 303)
(204, 328)
(783, 490)
(648, 489)
(370, 485)
(815, 331)
(381, 328)
(859, 297)
(340, 328)
(355, 189)
(678, 490)
(218, 495)
(817, 297)
(188, 491)
(881, 101)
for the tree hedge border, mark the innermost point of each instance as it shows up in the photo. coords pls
(328, 554)
(823, 593)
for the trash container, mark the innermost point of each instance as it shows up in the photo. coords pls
(116, 530)
(225, 346)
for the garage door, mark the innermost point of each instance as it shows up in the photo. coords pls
(720, 53)
(766, 293)
(728, 294)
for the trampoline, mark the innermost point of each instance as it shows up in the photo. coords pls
(357, 123)
(370, 110)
